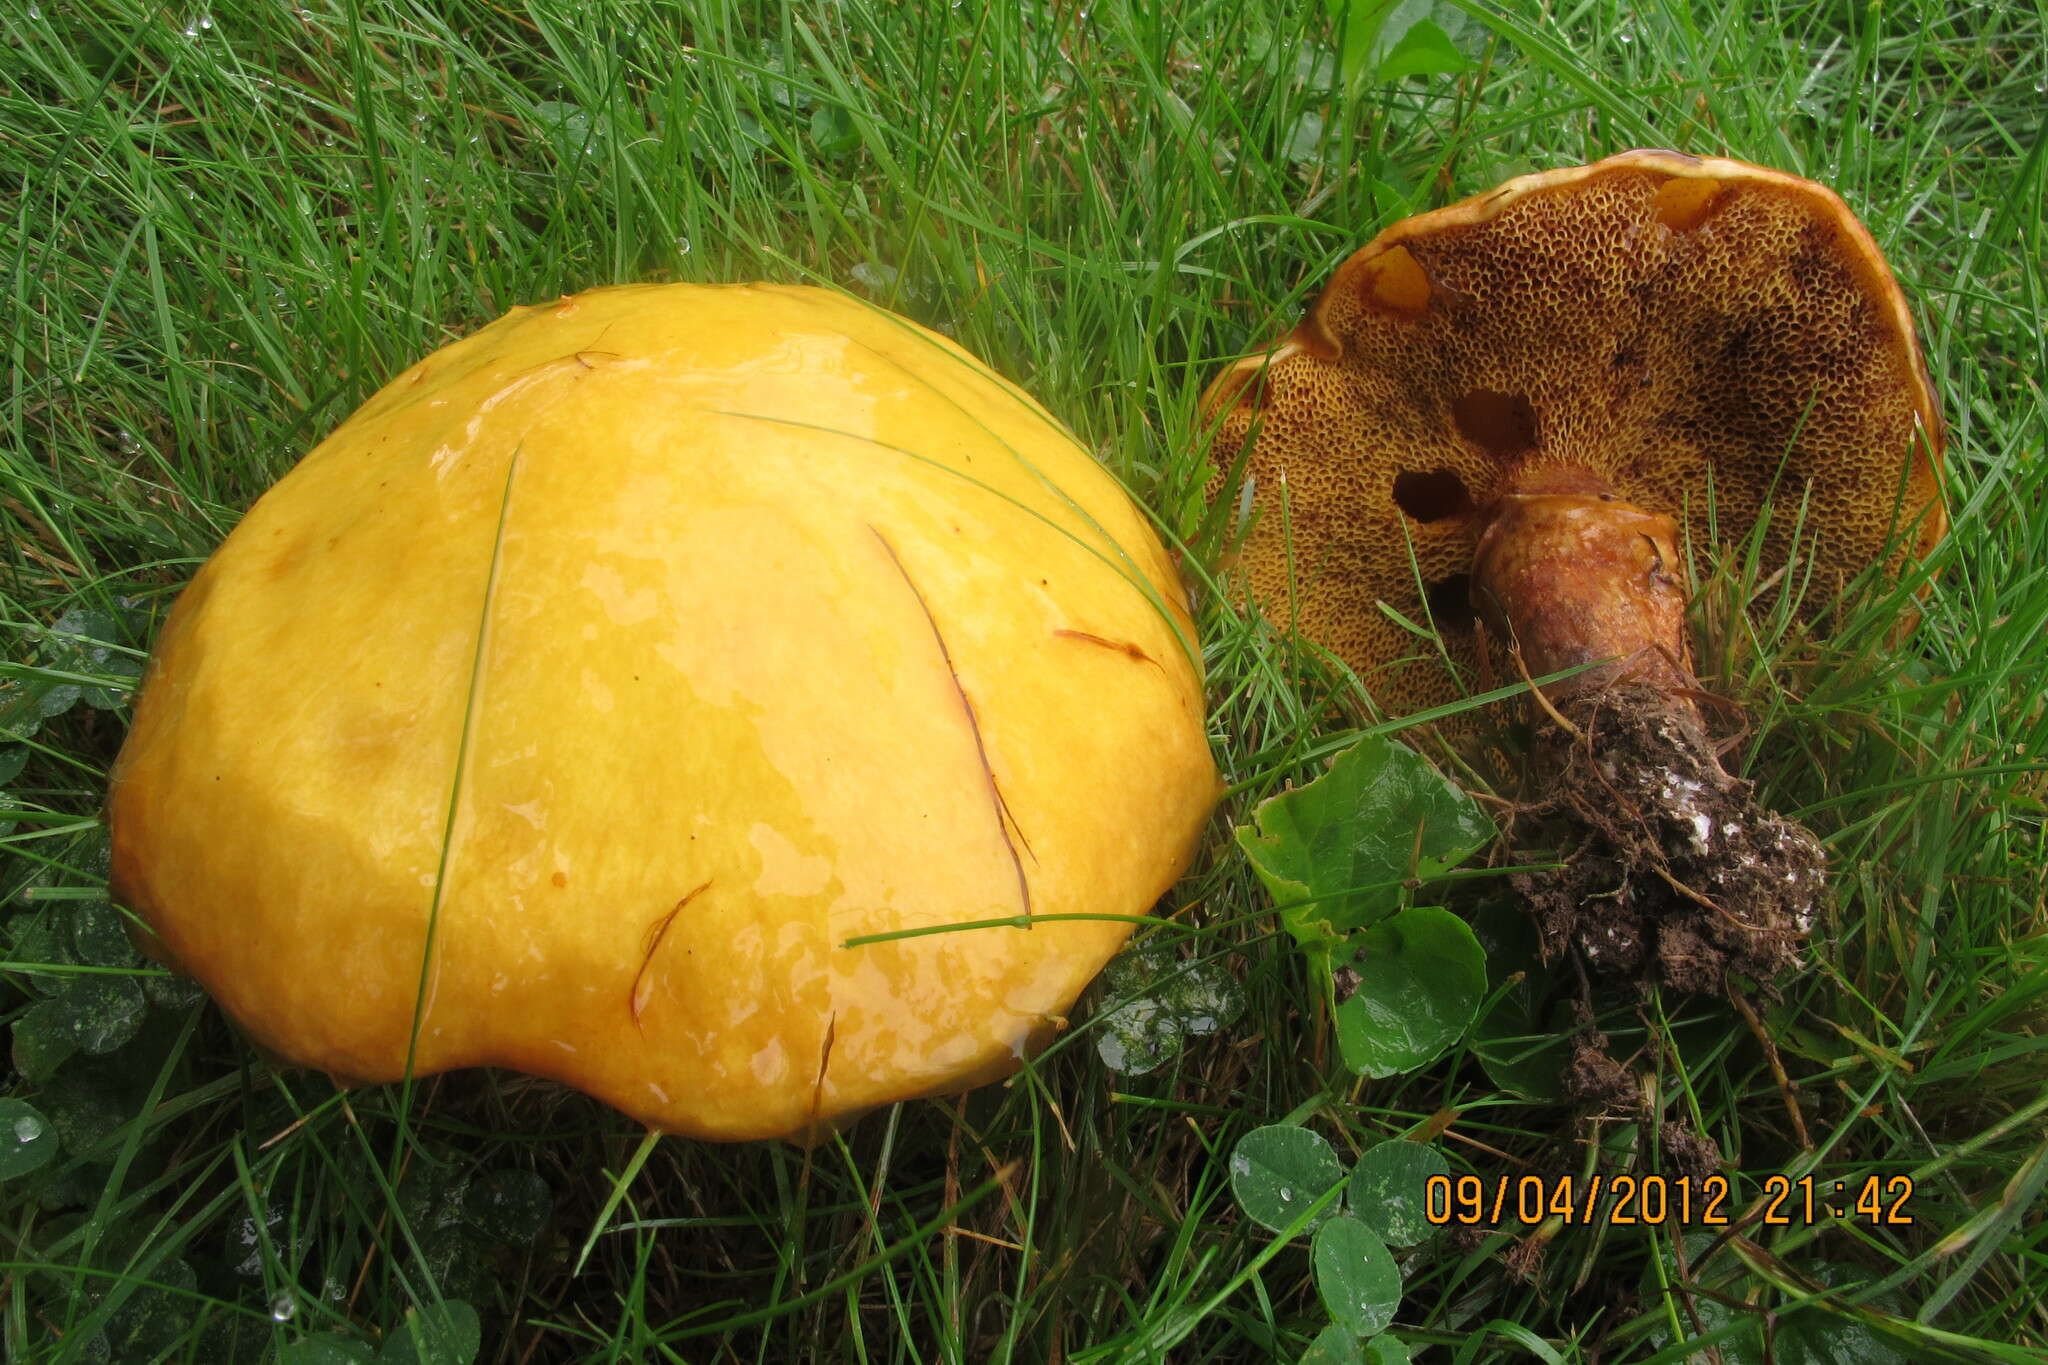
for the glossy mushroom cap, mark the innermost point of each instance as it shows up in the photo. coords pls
(1700, 336)
(573, 705)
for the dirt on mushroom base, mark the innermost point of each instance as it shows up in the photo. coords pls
(1674, 874)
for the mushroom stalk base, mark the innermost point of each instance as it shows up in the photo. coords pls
(1673, 873)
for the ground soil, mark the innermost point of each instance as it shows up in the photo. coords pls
(1673, 873)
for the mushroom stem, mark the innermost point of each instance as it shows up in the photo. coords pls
(1673, 869)
(1579, 577)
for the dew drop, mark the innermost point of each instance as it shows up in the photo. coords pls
(1286, 1195)
(683, 245)
(283, 1308)
(35, 11)
(27, 1128)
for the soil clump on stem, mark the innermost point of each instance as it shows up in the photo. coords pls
(1674, 873)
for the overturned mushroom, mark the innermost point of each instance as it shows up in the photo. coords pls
(1512, 418)
(585, 701)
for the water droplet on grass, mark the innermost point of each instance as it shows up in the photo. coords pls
(283, 1308)
(27, 1128)
(1157, 1002)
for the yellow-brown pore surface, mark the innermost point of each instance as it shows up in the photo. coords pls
(1703, 335)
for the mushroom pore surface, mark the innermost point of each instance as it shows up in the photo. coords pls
(1699, 338)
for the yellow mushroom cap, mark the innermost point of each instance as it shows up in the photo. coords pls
(573, 704)
(1705, 336)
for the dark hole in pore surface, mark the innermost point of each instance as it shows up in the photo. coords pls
(1450, 603)
(1501, 424)
(1431, 496)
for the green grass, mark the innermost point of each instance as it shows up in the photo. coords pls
(222, 236)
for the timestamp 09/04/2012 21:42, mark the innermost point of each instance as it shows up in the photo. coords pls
(1470, 1200)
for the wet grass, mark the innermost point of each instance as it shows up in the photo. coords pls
(226, 229)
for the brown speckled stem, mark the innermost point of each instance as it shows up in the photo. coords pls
(1572, 575)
